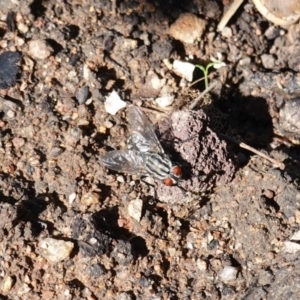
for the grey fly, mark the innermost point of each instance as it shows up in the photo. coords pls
(144, 154)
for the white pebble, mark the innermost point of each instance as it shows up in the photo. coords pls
(108, 124)
(22, 27)
(290, 247)
(201, 264)
(55, 250)
(72, 197)
(184, 69)
(10, 114)
(166, 98)
(228, 273)
(90, 198)
(114, 103)
(227, 32)
(6, 284)
(129, 44)
(296, 236)
(120, 178)
(135, 209)
(86, 73)
(39, 49)
(164, 101)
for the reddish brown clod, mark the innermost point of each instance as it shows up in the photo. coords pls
(168, 182)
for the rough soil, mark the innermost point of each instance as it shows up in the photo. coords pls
(71, 229)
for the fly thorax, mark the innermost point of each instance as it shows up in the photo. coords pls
(136, 141)
(158, 165)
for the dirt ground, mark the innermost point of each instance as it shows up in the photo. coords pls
(72, 229)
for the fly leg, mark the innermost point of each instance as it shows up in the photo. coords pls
(186, 140)
(182, 141)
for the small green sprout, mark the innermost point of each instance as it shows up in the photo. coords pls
(216, 63)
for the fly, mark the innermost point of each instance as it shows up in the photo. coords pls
(144, 154)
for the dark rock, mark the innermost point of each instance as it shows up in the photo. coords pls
(8, 68)
(91, 241)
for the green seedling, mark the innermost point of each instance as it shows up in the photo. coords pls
(215, 62)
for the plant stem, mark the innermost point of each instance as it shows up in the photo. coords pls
(205, 72)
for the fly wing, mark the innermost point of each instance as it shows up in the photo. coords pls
(123, 161)
(143, 137)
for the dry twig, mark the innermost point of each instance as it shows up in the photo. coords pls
(229, 13)
(195, 102)
(253, 150)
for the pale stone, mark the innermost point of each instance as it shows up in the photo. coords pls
(90, 198)
(135, 209)
(6, 284)
(290, 247)
(228, 273)
(296, 236)
(188, 28)
(114, 103)
(55, 250)
(184, 69)
(39, 49)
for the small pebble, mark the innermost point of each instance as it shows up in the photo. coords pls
(108, 124)
(297, 216)
(191, 239)
(290, 247)
(56, 151)
(129, 44)
(8, 73)
(120, 178)
(39, 49)
(18, 142)
(184, 69)
(187, 28)
(72, 197)
(19, 41)
(135, 209)
(155, 82)
(145, 37)
(201, 264)
(54, 250)
(268, 61)
(102, 129)
(96, 270)
(164, 101)
(166, 97)
(227, 32)
(245, 61)
(296, 236)
(124, 296)
(10, 114)
(87, 73)
(25, 288)
(82, 94)
(228, 273)
(269, 194)
(6, 284)
(90, 198)
(272, 32)
(113, 103)
(23, 28)
(289, 115)
(228, 291)
(270, 255)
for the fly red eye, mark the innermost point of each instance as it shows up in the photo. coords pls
(177, 171)
(168, 182)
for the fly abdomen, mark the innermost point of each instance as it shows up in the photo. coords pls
(158, 166)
